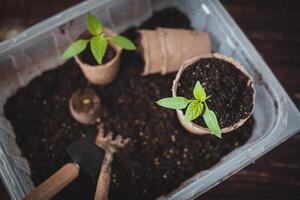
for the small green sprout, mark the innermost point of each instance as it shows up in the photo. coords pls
(98, 42)
(86, 101)
(195, 108)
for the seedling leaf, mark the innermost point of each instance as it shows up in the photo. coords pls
(211, 121)
(174, 102)
(193, 111)
(123, 42)
(86, 101)
(75, 48)
(199, 92)
(98, 48)
(94, 26)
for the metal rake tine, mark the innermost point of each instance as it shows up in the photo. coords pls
(124, 142)
(100, 127)
(100, 137)
(109, 135)
(118, 139)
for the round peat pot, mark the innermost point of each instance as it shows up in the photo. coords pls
(229, 84)
(85, 106)
(105, 73)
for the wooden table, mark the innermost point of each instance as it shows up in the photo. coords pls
(274, 28)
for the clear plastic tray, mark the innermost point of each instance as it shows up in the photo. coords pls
(25, 57)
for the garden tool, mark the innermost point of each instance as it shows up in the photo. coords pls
(85, 155)
(110, 146)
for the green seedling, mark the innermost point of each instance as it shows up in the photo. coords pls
(86, 101)
(98, 41)
(194, 108)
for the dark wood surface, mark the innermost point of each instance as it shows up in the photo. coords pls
(274, 28)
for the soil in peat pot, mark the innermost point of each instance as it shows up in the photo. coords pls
(161, 154)
(78, 101)
(231, 96)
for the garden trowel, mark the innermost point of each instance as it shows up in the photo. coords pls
(85, 155)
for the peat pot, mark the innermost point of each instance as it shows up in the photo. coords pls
(164, 49)
(105, 73)
(232, 87)
(85, 106)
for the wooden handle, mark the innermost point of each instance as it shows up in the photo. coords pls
(55, 183)
(104, 178)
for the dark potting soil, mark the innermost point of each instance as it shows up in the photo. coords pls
(87, 56)
(231, 97)
(159, 157)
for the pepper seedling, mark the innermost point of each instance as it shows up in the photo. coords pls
(86, 101)
(98, 41)
(194, 108)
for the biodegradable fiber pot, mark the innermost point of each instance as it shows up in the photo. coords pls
(85, 112)
(165, 49)
(196, 128)
(105, 73)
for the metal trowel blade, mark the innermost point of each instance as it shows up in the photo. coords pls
(86, 154)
